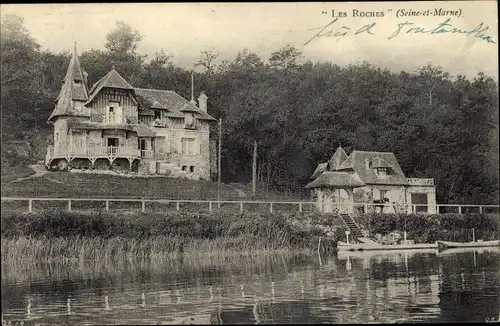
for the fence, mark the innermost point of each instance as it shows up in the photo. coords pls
(271, 206)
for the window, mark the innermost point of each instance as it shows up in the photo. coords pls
(189, 120)
(382, 173)
(187, 146)
(79, 141)
(191, 169)
(157, 114)
(383, 194)
(184, 168)
(113, 142)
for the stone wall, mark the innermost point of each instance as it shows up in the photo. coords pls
(168, 149)
(61, 136)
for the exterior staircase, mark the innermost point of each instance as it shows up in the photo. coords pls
(356, 234)
(353, 227)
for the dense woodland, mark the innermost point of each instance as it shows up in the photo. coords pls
(297, 111)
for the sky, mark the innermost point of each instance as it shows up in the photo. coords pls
(183, 29)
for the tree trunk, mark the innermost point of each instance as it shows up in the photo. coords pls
(254, 167)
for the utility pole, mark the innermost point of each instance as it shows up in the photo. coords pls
(218, 163)
(254, 168)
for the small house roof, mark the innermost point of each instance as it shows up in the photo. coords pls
(336, 179)
(356, 161)
(337, 159)
(320, 169)
(379, 162)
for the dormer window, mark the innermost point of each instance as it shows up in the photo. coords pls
(157, 114)
(382, 173)
(189, 120)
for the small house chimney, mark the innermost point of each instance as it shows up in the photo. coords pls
(203, 101)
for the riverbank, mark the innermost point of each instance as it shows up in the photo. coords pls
(73, 236)
(389, 228)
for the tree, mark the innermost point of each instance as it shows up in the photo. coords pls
(123, 39)
(21, 80)
(207, 60)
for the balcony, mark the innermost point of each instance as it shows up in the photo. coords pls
(93, 152)
(114, 119)
(160, 123)
(420, 181)
(147, 153)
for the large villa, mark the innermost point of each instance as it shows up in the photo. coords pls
(114, 126)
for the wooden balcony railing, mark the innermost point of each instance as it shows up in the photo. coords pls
(420, 181)
(147, 153)
(114, 119)
(94, 152)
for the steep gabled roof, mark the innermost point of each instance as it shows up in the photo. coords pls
(74, 88)
(320, 169)
(337, 159)
(379, 162)
(143, 130)
(336, 179)
(112, 80)
(357, 162)
(167, 100)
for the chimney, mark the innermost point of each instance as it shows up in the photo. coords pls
(203, 102)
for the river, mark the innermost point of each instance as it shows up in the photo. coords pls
(455, 286)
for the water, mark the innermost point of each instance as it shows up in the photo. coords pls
(342, 288)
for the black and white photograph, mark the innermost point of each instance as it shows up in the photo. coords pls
(250, 163)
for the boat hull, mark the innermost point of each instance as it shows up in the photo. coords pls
(361, 246)
(450, 244)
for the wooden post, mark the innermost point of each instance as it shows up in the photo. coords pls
(300, 207)
(254, 168)
(241, 207)
(69, 204)
(210, 206)
(143, 206)
(480, 209)
(365, 208)
(107, 205)
(178, 206)
(459, 209)
(473, 236)
(30, 205)
(270, 207)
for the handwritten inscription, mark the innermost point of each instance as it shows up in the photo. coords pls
(446, 27)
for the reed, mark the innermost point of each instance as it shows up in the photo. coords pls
(72, 236)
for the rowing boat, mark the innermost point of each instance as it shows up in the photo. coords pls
(365, 246)
(450, 244)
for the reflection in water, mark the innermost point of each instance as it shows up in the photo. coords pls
(348, 287)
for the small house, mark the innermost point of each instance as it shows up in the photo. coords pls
(357, 182)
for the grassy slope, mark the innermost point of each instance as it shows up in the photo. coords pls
(10, 173)
(65, 184)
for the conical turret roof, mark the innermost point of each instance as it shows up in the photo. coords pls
(74, 88)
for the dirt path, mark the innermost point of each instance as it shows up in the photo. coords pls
(39, 171)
